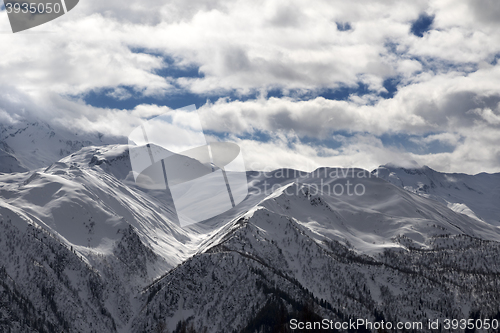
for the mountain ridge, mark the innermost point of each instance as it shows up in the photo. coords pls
(295, 247)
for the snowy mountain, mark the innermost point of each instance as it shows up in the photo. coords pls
(35, 144)
(83, 249)
(474, 195)
(8, 161)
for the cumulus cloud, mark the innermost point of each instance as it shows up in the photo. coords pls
(488, 115)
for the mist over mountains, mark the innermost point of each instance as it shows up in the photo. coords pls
(84, 249)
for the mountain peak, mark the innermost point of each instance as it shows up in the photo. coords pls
(405, 164)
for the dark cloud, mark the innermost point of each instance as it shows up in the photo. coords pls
(287, 15)
(487, 11)
(236, 60)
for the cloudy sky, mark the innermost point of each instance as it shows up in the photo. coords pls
(296, 83)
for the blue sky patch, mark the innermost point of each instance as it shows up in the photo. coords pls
(422, 25)
(343, 93)
(103, 98)
(343, 26)
(494, 62)
(410, 143)
(391, 85)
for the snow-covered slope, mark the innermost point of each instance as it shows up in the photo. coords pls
(8, 161)
(474, 195)
(86, 207)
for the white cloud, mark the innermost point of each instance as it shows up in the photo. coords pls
(451, 139)
(361, 151)
(479, 152)
(448, 89)
(241, 45)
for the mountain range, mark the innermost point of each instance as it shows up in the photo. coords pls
(84, 249)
